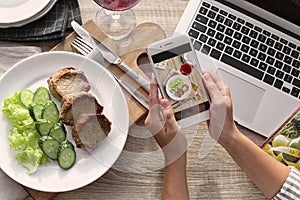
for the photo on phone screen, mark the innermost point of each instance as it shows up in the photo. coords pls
(179, 78)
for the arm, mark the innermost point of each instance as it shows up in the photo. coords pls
(167, 133)
(268, 174)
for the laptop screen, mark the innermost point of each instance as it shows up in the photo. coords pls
(286, 9)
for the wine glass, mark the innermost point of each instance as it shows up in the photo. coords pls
(116, 17)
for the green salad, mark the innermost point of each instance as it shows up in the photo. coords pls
(23, 135)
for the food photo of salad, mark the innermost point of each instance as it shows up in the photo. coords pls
(284, 145)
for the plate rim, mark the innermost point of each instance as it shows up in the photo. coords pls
(106, 168)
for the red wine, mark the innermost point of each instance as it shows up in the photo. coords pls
(117, 5)
(185, 69)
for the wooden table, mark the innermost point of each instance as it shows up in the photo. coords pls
(138, 172)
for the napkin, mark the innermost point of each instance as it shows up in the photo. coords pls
(9, 189)
(51, 26)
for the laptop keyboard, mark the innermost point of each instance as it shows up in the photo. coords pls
(247, 47)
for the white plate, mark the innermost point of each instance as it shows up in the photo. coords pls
(30, 19)
(17, 10)
(32, 73)
(172, 95)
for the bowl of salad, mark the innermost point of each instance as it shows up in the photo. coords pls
(178, 87)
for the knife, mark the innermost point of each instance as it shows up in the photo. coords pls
(110, 56)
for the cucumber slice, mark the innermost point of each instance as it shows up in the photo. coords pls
(66, 155)
(26, 97)
(41, 95)
(58, 132)
(43, 126)
(35, 110)
(50, 112)
(49, 146)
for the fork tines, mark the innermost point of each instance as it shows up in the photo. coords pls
(84, 47)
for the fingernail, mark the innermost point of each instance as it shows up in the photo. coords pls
(207, 77)
(165, 103)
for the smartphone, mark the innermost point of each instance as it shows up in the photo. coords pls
(178, 73)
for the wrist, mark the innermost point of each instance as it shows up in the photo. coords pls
(229, 138)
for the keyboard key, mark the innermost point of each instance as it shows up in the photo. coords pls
(207, 5)
(202, 19)
(237, 54)
(205, 49)
(215, 9)
(278, 84)
(246, 39)
(263, 66)
(197, 45)
(228, 22)
(279, 55)
(270, 42)
(288, 59)
(295, 92)
(279, 74)
(249, 25)
(262, 47)
(245, 58)
(228, 40)
(283, 41)
(296, 64)
(223, 12)
(212, 42)
(242, 66)
(262, 56)
(229, 50)
(203, 10)
(254, 43)
(254, 62)
(245, 48)
(292, 45)
(253, 52)
(271, 70)
(193, 33)
(262, 38)
(295, 54)
(220, 46)
(211, 14)
(253, 34)
(241, 21)
(267, 33)
(271, 51)
(199, 27)
(286, 50)
(245, 30)
(278, 46)
(220, 18)
(236, 44)
(215, 54)
(211, 32)
(270, 60)
(296, 82)
(236, 26)
(258, 29)
(212, 24)
(288, 78)
(203, 38)
(269, 79)
(275, 37)
(220, 27)
(237, 36)
(295, 72)
(219, 36)
(285, 89)
(287, 68)
(278, 64)
(231, 16)
(229, 32)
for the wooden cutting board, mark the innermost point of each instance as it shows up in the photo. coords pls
(133, 53)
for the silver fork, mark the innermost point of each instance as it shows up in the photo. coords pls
(88, 50)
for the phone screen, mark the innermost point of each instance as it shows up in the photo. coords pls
(178, 74)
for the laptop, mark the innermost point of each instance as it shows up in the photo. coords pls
(254, 46)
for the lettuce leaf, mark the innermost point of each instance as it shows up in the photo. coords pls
(23, 135)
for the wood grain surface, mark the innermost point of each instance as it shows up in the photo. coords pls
(138, 173)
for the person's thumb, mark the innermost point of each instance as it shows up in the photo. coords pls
(170, 121)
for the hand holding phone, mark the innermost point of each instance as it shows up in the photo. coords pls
(178, 74)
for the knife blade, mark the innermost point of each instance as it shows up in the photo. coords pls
(110, 56)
